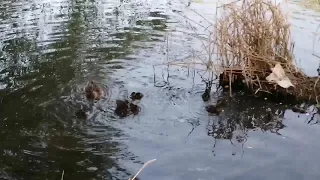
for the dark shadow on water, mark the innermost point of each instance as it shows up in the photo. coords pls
(242, 115)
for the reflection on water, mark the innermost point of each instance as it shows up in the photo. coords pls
(243, 116)
(50, 49)
(312, 4)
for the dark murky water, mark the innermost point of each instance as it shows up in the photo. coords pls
(51, 48)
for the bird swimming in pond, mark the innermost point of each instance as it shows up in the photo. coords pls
(122, 108)
(93, 91)
(81, 114)
(136, 96)
(135, 109)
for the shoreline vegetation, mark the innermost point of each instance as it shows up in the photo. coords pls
(252, 51)
(249, 49)
(255, 52)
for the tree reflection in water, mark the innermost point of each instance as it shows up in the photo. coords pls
(242, 115)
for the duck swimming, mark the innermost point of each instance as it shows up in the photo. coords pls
(136, 96)
(81, 114)
(93, 91)
(122, 108)
(135, 109)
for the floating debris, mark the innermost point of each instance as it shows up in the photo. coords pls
(278, 76)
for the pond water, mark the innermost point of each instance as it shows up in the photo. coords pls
(50, 49)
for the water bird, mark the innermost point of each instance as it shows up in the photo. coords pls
(135, 109)
(136, 96)
(93, 91)
(122, 108)
(81, 114)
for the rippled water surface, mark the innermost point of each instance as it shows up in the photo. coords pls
(51, 48)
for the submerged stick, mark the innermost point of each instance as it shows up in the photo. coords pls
(145, 165)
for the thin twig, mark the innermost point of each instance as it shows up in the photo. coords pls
(145, 165)
(62, 175)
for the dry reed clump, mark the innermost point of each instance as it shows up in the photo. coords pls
(253, 36)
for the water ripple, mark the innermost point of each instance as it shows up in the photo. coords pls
(50, 49)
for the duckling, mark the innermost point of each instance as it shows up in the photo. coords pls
(122, 108)
(93, 91)
(81, 114)
(136, 96)
(135, 109)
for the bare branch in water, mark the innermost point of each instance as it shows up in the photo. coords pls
(145, 165)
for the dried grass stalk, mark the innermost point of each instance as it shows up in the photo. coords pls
(252, 36)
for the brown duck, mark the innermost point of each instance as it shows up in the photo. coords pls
(93, 91)
(122, 108)
(135, 109)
